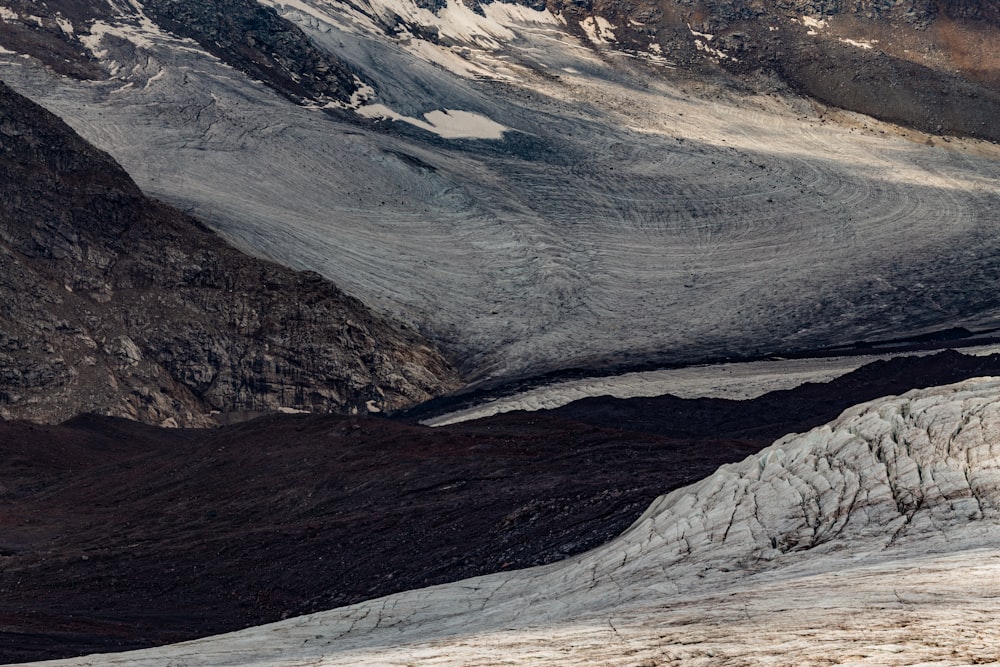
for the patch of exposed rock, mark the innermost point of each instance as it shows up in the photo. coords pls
(51, 34)
(113, 303)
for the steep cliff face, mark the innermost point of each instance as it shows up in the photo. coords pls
(118, 304)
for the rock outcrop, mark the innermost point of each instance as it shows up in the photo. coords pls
(255, 40)
(118, 304)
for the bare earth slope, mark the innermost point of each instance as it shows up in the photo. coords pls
(115, 303)
(871, 540)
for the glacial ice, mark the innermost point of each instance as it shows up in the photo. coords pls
(628, 218)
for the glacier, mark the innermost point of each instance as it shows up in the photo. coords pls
(623, 217)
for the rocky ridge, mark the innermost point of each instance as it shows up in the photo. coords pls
(117, 304)
(255, 40)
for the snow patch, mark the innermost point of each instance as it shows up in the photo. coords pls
(447, 123)
(156, 77)
(8, 14)
(446, 58)
(814, 25)
(362, 93)
(717, 53)
(599, 30)
(704, 35)
(705, 48)
(458, 27)
(861, 44)
(99, 30)
(299, 6)
(65, 25)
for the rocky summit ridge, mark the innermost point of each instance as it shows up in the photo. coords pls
(114, 303)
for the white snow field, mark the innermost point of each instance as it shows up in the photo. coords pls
(614, 214)
(872, 540)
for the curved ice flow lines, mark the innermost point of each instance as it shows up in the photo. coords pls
(615, 220)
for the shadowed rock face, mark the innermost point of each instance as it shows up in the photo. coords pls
(774, 414)
(118, 304)
(118, 535)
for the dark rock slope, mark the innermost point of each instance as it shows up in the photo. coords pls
(777, 413)
(118, 535)
(113, 303)
(931, 65)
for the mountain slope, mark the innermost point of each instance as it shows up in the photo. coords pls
(115, 303)
(66, 36)
(933, 66)
(870, 539)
